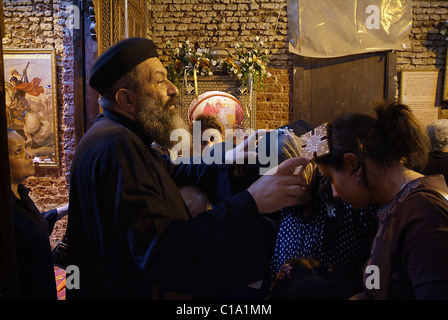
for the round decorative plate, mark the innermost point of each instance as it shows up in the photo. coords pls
(221, 105)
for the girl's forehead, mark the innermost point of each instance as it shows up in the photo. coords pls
(323, 168)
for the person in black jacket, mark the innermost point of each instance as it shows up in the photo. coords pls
(35, 269)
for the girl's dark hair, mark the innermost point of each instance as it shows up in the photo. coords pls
(209, 122)
(306, 279)
(394, 135)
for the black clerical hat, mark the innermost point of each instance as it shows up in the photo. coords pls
(118, 60)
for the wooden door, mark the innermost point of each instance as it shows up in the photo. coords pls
(117, 20)
(323, 88)
(103, 23)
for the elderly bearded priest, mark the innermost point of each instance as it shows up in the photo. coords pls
(129, 230)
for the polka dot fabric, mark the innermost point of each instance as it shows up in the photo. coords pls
(332, 233)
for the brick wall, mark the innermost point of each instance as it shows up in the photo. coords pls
(208, 22)
(41, 24)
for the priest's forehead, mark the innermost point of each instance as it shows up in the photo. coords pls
(152, 68)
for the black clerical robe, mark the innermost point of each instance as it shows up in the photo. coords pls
(129, 230)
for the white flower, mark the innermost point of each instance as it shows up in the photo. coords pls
(257, 38)
(243, 61)
(210, 73)
(268, 74)
(239, 75)
(249, 60)
(261, 43)
(187, 42)
(214, 62)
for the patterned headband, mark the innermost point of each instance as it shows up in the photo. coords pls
(317, 144)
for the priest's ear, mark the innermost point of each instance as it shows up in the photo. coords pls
(126, 100)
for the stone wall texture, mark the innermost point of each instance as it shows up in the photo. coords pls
(42, 24)
(226, 22)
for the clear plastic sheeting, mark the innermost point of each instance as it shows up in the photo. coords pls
(334, 28)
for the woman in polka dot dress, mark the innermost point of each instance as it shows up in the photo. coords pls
(326, 229)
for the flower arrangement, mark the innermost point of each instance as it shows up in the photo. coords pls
(185, 60)
(444, 31)
(248, 62)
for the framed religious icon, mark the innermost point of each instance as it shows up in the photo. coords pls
(31, 104)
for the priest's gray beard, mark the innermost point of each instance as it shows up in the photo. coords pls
(159, 121)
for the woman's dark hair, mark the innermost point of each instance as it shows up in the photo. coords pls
(394, 135)
(209, 122)
(306, 279)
